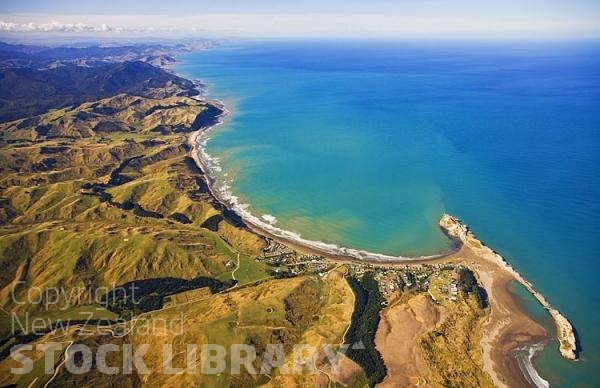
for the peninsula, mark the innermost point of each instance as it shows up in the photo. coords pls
(503, 332)
(564, 330)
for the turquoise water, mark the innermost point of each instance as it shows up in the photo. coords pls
(366, 144)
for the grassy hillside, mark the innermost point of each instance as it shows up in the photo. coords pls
(105, 210)
(452, 350)
(26, 91)
(278, 311)
(112, 118)
(99, 191)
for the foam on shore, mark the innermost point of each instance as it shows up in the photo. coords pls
(451, 225)
(524, 358)
(269, 218)
(222, 192)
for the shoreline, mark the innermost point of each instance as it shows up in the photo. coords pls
(261, 227)
(524, 358)
(565, 332)
(508, 328)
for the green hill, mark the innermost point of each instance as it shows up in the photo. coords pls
(26, 91)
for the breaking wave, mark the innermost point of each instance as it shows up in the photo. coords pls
(269, 219)
(221, 189)
(524, 356)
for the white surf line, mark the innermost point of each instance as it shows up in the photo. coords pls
(207, 164)
(526, 365)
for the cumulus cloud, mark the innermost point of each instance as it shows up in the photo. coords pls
(286, 25)
(58, 27)
(53, 26)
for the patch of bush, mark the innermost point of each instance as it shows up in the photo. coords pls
(212, 222)
(141, 296)
(233, 218)
(116, 178)
(192, 166)
(363, 327)
(467, 283)
(141, 212)
(181, 218)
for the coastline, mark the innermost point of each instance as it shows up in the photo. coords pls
(293, 239)
(508, 328)
(524, 358)
(564, 329)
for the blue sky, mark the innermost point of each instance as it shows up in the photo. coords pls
(181, 7)
(255, 18)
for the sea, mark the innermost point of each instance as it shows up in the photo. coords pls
(364, 144)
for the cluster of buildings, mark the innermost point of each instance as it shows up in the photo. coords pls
(440, 281)
(275, 252)
(287, 263)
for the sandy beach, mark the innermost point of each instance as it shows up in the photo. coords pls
(508, 327)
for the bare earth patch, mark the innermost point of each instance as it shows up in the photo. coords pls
(397, 337)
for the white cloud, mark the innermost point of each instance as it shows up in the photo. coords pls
(53, 26)
(307, 25)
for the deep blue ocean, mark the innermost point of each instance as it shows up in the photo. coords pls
(365, 144)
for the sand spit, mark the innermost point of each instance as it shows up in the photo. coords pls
(508, 327)
(564, 330)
